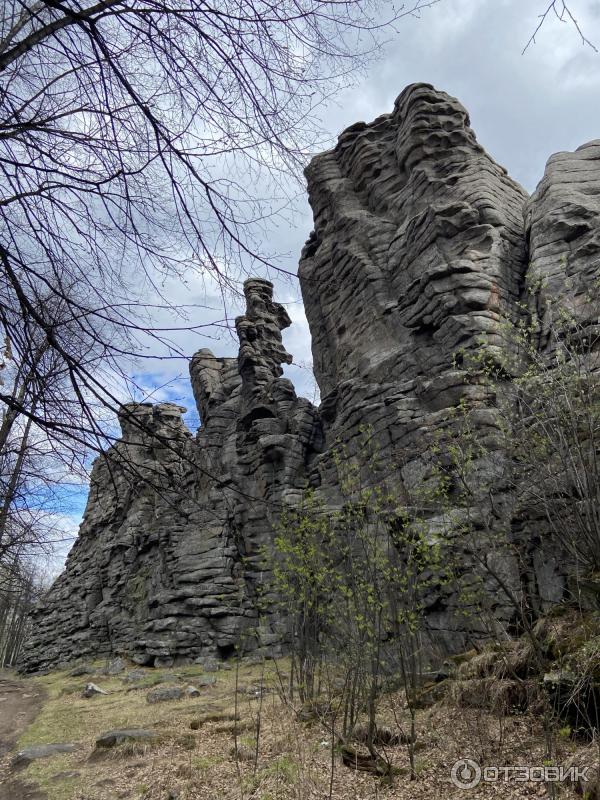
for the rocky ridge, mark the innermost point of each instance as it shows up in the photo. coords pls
(423, 246)
(168, 562)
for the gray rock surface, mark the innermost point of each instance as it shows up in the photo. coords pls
(165, 694)
(135, 675)
(91, 689)
(422, 248)
(119, 736)
(115, 667)
(206, 680)
(417, 258)
(167, 569)
(32, 753)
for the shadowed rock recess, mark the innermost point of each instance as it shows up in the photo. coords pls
(422, 243)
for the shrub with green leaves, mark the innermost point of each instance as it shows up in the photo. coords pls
(352, 584)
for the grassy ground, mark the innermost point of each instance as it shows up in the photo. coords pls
(279, 757)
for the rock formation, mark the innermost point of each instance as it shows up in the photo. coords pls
(422, 247)
(168, 562)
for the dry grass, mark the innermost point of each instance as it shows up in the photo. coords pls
(511, 660)
(196, 754)
(501, 696)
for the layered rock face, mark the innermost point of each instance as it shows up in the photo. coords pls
(423, 248)
(417, 257)
(562, 221)
(418, 248)
(168, 564)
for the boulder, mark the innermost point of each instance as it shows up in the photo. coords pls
(28, 754)
(115, 667)
(165, 694)
(91, 690)
(135, 675)
(116, 737)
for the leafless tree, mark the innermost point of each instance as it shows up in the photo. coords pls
(563, 12)
(34, 462)
(142, 140)
(33, 466)
(19, 590)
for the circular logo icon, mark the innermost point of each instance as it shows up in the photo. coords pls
(465, 773)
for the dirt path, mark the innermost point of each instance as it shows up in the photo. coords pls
(19, 705)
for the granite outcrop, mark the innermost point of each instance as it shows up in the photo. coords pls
(423, 247)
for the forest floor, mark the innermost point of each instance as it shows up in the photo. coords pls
(241, 739)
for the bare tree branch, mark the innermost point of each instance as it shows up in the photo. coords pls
(562, 11)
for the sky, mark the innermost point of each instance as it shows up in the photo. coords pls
(523, 107)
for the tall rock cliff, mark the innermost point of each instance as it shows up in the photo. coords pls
(423, 247)
(168, 563)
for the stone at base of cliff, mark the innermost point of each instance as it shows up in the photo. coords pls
(29, 754)
(91, 690)
(165, 694)
(121, 736)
